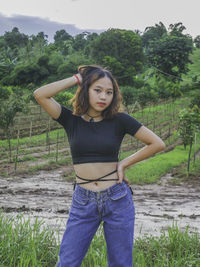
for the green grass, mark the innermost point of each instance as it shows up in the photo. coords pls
(150, 170)
(194, 170)
(36, 140)
(172, 249)
(23, 245)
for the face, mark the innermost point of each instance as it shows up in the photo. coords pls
(100, 91)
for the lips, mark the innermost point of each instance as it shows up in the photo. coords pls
(101, 103)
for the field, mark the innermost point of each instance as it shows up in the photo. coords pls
(36, 182)
(50, 149)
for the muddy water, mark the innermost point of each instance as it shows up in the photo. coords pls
(48, 196)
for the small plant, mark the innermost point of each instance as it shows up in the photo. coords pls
(189, 124)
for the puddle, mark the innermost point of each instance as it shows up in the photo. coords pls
(48, 196)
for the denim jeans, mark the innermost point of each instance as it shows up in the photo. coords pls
(115, 207)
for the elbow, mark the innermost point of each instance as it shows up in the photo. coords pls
(161, 146)
(35, 93)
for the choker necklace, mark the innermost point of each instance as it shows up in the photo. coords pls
(92, 118)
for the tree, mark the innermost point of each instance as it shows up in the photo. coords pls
(123, 46)
(113, 64)
(153, 33)
(69, 67)
(29, 73)
(128, 94)
(177, 29)
(63, 42)
(90, 38)
(189, 124)
(80, 41)
(197, 41)
(15, 39)
(9, 107)
(170, 55)
(61, 36)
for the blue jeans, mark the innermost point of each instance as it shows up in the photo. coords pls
(115, 207)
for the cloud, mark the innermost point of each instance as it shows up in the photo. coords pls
(33, 25)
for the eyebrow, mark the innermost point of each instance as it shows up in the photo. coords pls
(98, 86)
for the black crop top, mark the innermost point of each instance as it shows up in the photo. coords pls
(96, 141)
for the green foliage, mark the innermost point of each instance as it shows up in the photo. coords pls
(153, 33)
(23, 244)
(174, 88)
(9, 108)
(15, 39)
(197, 41)
(128, 94)
(195, 98)
(194, 66)
(170, 54)
(189, 123)
(113, 64)
(24, 74)
(90, 39)
(63, 42)
(68, 68)
(174, 248)
(177, 29)
(79, 42)
(30, 61)
(150, 171)
(63, 98)
(5, 92)
(123, 46)
(61, 36)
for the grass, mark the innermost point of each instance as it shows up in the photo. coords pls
(194, 171)
(151, 170)
(174, 249)
(36, 140)
(23, 245)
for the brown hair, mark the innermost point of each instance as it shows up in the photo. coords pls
(90, 74)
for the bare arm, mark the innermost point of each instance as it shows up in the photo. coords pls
(43, 95)
(153, 143)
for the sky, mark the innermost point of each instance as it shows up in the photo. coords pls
(99, 14)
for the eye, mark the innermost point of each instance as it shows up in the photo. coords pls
(110, 92)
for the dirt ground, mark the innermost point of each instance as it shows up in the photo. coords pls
(48, 195)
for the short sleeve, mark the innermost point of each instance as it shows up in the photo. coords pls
(130, 124)
(65, 116)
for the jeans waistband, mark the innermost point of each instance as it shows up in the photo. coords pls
(108, 191)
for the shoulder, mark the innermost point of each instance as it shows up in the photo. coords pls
(124, 116)
(128, 123)
(65, 115)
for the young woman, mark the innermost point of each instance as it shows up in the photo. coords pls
(95, 130)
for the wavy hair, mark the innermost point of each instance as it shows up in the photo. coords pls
(90, 74)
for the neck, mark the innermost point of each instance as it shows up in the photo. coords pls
(92, 117)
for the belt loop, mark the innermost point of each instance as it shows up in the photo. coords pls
(131, 190)
(74, 185)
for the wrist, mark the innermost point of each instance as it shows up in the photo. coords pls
(121, 165)
(78, 78)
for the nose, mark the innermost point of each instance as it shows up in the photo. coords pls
(103, 95)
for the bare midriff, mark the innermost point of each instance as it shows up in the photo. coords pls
(95, 170)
